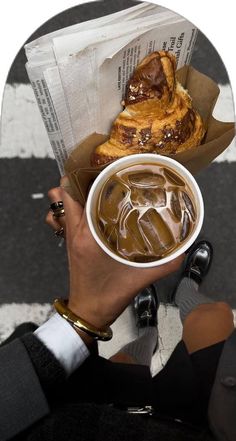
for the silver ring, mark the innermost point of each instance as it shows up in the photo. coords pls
(56, 205)
(59, 233)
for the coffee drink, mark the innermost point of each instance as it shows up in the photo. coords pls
(145, 212)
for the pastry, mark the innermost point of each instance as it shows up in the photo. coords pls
(158, 115)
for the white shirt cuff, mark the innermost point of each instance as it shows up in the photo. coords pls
(64, 342)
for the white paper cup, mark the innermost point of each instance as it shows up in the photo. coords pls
(127, 161)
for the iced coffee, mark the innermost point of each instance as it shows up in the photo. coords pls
(145, 212)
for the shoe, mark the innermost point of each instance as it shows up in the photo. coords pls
(146, 304)
(197, 263)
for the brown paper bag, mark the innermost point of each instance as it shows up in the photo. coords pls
(204, 93)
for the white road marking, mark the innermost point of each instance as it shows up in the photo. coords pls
(169, 330)
(13, 314)
(224, 108)
(37, 196)
(124, 329)
(23, 134)
(225, 111)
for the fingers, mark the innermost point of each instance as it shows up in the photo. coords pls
(164, 270)
(172, 266)
(175, 264)
(55, 195)
(73, 209)
(52, 222)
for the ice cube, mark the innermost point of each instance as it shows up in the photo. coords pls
(175, 205)
(101, 226)
(156, 232)
(185, 227)
(148, 197)
(189, 205)
(111, 201)
(146, 179)
(173, 178)
(130, 240)
(127, 207)
(111, 235)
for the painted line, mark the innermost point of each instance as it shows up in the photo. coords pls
(225, 111)
(23, 134)
(37, 196)
(13, 314)
(124, 329)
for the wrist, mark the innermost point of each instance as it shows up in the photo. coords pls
(88, 341)
(88, 313)
(78, 323)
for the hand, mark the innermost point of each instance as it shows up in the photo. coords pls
(100, 287)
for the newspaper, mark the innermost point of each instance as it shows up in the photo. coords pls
(79, 73)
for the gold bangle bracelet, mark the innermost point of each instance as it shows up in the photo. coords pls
(79, 324)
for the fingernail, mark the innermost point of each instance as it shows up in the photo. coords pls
(65, 183)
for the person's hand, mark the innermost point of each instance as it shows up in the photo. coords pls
(100, 287)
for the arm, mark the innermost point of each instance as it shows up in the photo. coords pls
(22, 400)
(31, 368)
(100, 289)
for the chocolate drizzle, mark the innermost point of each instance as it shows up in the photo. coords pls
(127, 134)
(145, 136)
(180, 133)
(98, 160)
(148, 81)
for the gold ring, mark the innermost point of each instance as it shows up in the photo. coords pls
(59, 212)
(59, 233)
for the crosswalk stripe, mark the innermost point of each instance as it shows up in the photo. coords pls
(13, 314)
(124, 330)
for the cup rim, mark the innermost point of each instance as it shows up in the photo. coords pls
(107, 171)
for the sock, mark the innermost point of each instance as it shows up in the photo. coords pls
(187, 297)
(143, 347)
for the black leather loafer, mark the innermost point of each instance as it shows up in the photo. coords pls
(146, 304)
(197, 263)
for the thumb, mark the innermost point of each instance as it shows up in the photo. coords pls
(73, 209)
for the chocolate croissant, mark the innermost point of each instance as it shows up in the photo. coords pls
(158, 116)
